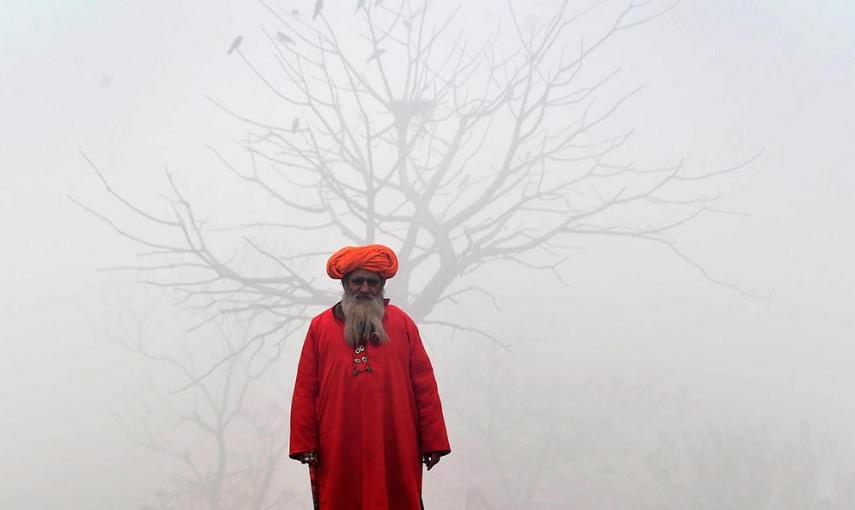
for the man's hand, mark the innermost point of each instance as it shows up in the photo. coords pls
(309, 458)
(430, 459)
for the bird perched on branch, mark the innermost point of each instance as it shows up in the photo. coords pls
(283, 38)
(404, 111)
(295, 125)
(376, 54)
(319, 6)
(235, 45)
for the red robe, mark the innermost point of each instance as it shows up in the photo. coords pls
(370, 422)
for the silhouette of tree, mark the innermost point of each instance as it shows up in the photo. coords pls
(227, 433)
(459, 156)
(750, 468)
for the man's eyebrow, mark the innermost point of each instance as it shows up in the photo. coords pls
(369, 279)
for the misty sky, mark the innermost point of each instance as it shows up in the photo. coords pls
(126, 82)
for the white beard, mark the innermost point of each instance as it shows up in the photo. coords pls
(363, 319)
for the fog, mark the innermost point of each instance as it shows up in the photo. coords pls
(690, 348)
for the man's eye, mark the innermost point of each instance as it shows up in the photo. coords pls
(371, 281)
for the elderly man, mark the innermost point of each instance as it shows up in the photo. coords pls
(366, 412)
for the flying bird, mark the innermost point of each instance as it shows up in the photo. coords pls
(376, 54)
(283, 38)
(295, 125)
(319, 5)
(235, 44)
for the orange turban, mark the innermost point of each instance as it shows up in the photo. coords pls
(373, 257)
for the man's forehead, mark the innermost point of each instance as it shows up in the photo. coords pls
(362, 273)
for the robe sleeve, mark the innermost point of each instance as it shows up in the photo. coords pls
(433, 436)
(304, 423)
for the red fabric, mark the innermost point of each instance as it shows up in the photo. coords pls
(373, 257)
(371, 428)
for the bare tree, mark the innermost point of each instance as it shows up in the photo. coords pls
(460, 155)
(553, 451)
(718, 468)
(227, 434)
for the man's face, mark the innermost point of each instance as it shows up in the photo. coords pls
(363, 284)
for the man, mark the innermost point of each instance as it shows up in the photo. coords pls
(366, 412)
